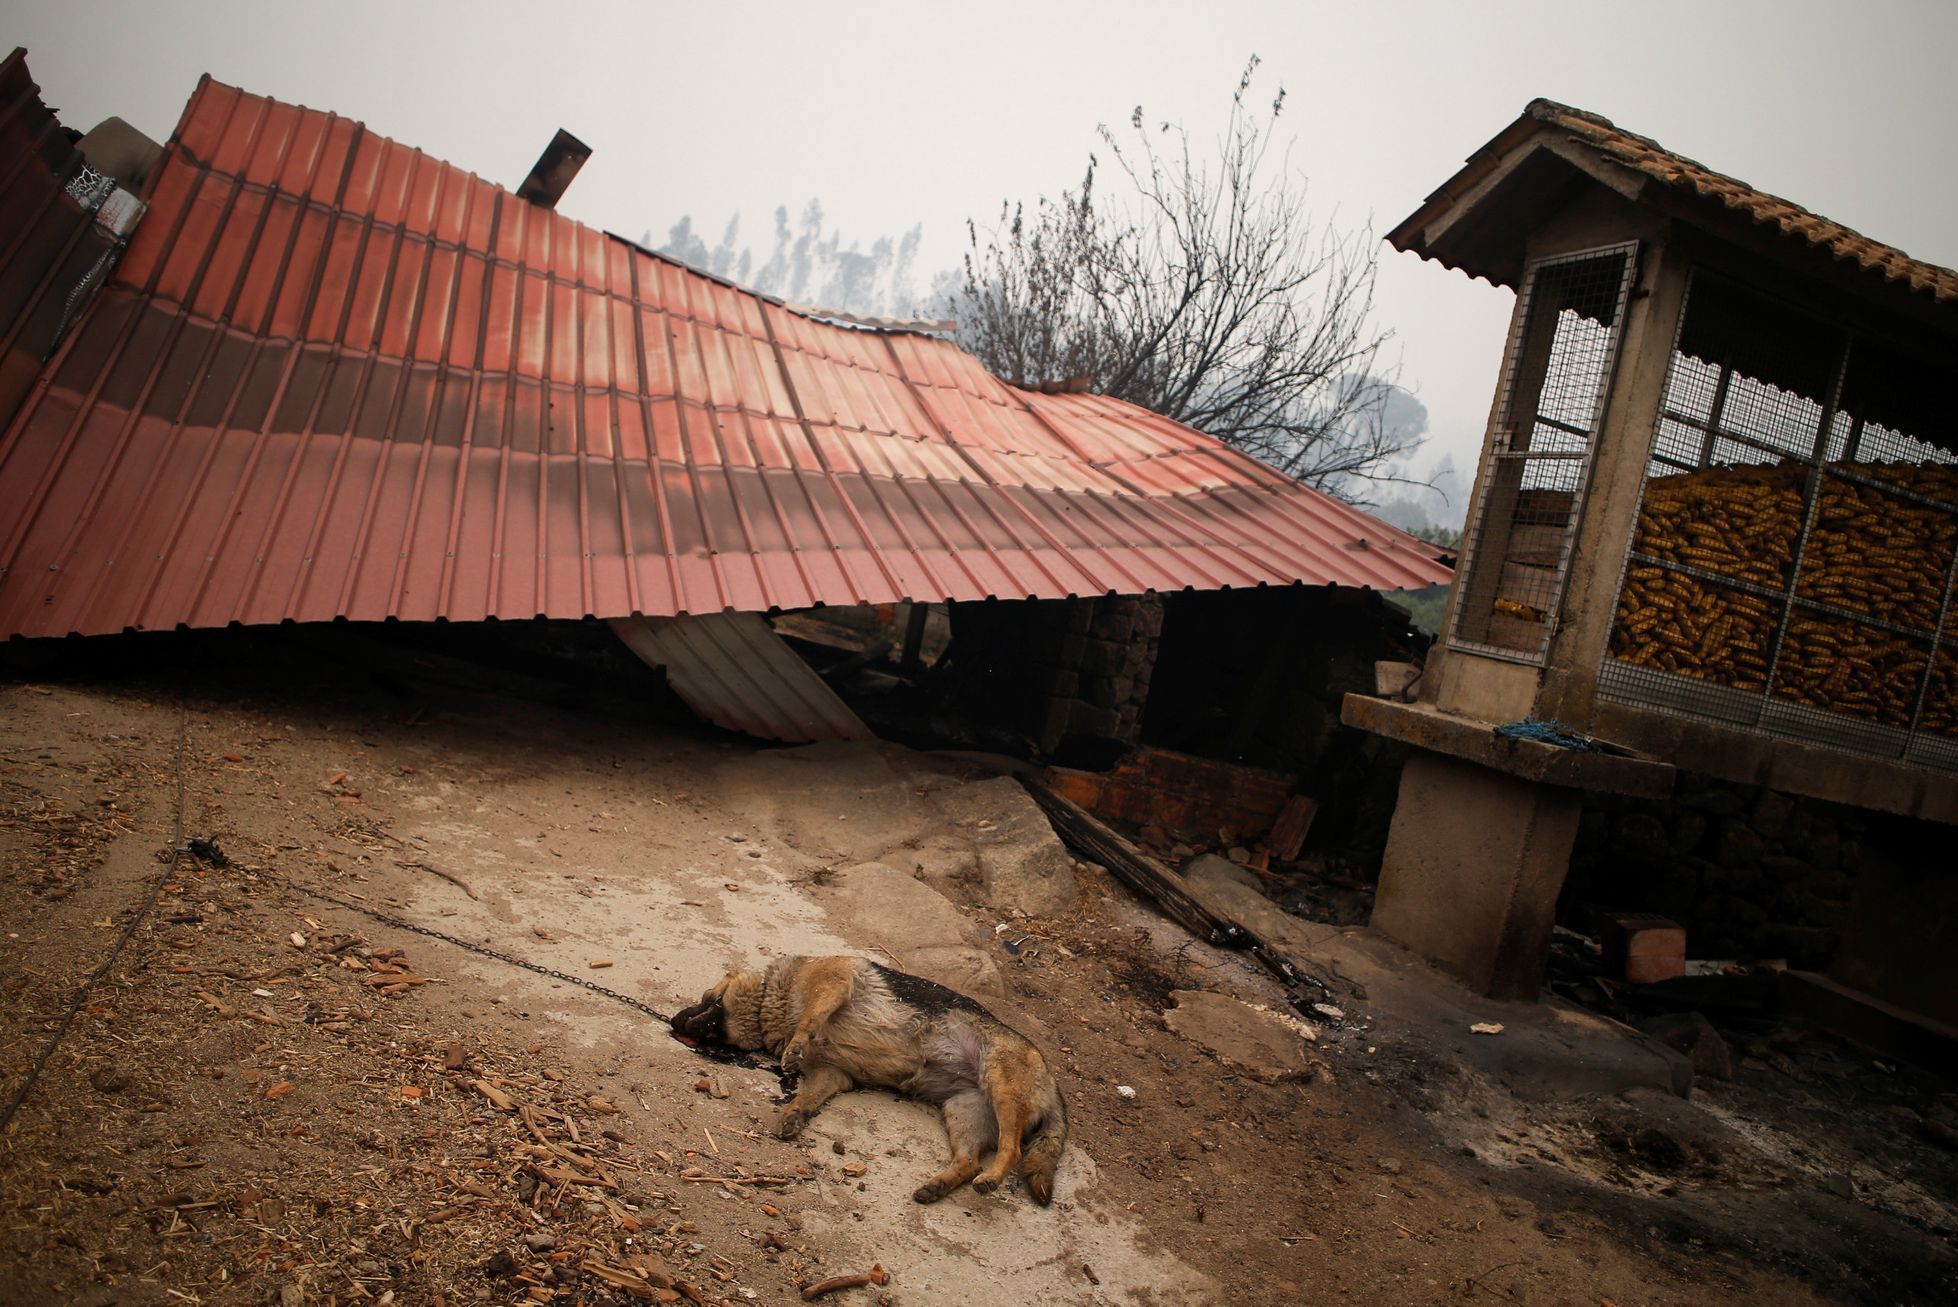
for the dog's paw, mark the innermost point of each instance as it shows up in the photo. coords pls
(985, 1184)
(792, 1055)
(790, 1125)
(929, 1192)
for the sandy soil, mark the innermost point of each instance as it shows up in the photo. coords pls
(271, 1099)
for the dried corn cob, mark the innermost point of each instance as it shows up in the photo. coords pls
(1868, 552)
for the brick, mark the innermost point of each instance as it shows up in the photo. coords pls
(1391, 679)
(1081, 788)
(1289, 831)
(1177, 814)
(1644, 949)
(1652, 970)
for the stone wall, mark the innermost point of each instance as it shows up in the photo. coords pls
(1059, 671)
(1257, 676)
(1252, 676)
(1750, 873)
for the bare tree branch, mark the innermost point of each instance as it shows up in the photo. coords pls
(1204, 289)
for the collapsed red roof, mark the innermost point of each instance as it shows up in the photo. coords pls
(333, 377)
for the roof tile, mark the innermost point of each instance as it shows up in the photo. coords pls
(1645, 155)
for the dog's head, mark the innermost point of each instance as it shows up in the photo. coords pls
(728, 1013)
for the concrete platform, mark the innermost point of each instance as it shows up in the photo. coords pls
(1482, 835)
(1471, 740)
(1815, 772)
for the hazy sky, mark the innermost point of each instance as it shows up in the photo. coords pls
(894, 114)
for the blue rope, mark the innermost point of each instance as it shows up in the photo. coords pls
(1551, 731)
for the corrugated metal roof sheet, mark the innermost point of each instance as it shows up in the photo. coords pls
(61, 224)
(333, 377)
(733, 670)
(1648, 158)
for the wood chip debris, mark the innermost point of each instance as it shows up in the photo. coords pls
(498, 1099)
(876, 1275)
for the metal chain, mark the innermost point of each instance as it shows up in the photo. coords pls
(206, 851)
(115, 951)
(484, 950)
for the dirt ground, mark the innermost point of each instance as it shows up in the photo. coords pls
(272, 1099)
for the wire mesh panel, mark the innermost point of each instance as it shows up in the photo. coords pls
(1561, 359)
(1683, 620)
(1935, 741)
(1792, 568)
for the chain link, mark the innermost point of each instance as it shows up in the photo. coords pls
(115, 950)
(204, 850)
(484, 950)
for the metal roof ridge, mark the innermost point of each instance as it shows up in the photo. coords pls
(875, 325)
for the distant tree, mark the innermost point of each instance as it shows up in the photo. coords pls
(1203, 289)
(808, 263)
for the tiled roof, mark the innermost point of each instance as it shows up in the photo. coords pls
(334, 377)
(1645, 155)
(1476, 220)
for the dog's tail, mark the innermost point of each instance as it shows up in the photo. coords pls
(1043, 1151)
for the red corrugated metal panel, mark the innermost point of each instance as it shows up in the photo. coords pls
(334, 377)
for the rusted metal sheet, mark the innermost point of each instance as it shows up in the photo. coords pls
(733, 670)
(334, 377)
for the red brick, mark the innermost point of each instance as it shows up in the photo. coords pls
(1078, 787)
(1294, 822)
(1190, 798)
(1644, 949)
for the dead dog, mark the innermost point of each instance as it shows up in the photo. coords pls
(844, 1022)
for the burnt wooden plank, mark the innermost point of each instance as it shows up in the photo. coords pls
(1096, 841)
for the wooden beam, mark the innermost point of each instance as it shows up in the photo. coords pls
(1094, 840)
(914, 636)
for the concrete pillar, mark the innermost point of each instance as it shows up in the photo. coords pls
(1475, 860)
